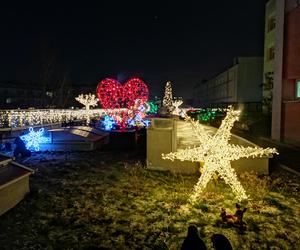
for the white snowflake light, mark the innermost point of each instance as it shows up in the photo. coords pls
(34, 138)
(88, 100)
(217, 153)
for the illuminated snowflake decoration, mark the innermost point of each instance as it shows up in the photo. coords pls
(216, 153)
(34, 138)
(108, 123)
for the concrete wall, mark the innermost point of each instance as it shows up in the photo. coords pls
(292, 45)
(249, 79)
(278, 65)
(269, 40)
(291, 121)
(291, 73)
(163, 139)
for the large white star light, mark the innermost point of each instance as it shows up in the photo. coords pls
(216, 153)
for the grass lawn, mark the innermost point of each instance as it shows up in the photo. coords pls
(109, 200)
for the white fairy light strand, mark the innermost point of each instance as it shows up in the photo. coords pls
(217, 153)
(32, 117)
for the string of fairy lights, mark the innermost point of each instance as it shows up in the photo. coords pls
(27, 117)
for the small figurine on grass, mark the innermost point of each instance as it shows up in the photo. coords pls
(234, 219)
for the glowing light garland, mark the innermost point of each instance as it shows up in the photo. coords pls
(207, 114)
(217, 153)
(34, 138)
(32, 117)
(88, 100)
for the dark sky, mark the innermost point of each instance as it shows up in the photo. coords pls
(157, 41)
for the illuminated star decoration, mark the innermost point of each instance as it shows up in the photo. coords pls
(34, 138)
(217, 153)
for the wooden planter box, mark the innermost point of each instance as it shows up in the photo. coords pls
(14, 184)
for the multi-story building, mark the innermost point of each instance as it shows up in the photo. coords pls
(14, 95)
(269, 55)
(282, 62)
(19, 95)
(241, 85)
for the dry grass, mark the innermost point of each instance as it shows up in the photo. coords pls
(110, 200)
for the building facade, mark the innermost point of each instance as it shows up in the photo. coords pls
(240, 85)
(14, 95)
(283, 18)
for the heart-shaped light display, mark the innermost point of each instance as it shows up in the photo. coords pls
(113, 95)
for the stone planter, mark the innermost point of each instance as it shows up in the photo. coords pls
(14, 183)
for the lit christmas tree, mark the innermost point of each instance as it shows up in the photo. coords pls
(88, 100)
(168, 98)
(217, 153)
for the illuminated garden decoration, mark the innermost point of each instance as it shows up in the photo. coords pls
(138, 113)
(207, 114)
(217, 153)
(34, 138)
(108, 123)
(152, 108)
(88, 100)
(176, 109)
(112, 95)
(168, 98)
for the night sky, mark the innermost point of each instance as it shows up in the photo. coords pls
(184, 43)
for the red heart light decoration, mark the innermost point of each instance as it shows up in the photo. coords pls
(113, 95)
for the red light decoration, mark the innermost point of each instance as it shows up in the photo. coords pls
(113, 95)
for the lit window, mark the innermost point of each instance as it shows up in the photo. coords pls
(8, 100)
(298, 88)
(271, 23)
(50, 94)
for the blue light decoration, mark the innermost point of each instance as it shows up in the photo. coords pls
(138, 121)
(152, 108)
(34, 138)
(138, 116)
(108, 123)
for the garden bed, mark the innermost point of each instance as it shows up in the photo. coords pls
(108, 200)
